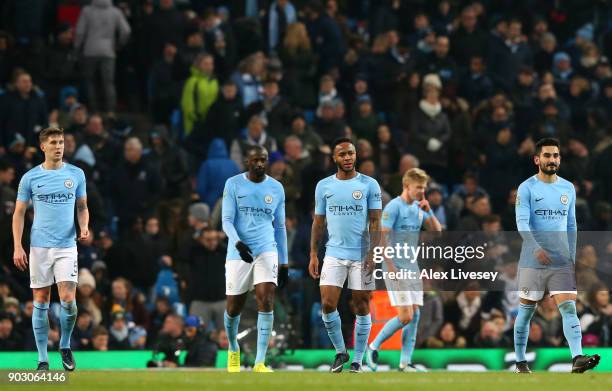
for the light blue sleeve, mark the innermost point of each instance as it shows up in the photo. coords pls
(280, 231)
(572, 226)
(320, 201)
(24, 192)
(389, 215)
(374, 195)
(81, 190)
(228, 212)
(523, 216)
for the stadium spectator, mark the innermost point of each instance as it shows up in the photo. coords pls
(165, 84)
(201, 350)
(98, 25)
(224, 120)
(447, 338)
(549, 320)
(255, 135)
(136, 186)
(199, 92)
(86, 296)
(99, 340)
(82, 334)
(430, 131)
(300, 66)
(23, 111)
(171, 339)
(204, 260)
(597, 318)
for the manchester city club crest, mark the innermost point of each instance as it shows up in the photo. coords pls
(68, 183)
(357, 194)
(268, 199)
(564, 199)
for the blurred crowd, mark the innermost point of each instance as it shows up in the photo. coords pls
(160, 100)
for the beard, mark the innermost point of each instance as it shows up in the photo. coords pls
(549, 170)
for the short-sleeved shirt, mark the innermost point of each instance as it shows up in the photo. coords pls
(53, 194)
(404, 220)
(345, 205)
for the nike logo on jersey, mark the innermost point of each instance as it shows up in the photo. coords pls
(241, 196)
(329, 196)
(39, 186)
(539, 199)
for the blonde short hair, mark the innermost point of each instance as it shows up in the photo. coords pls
(415, 175)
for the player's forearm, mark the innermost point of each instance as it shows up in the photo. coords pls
(376, 238)
(316, 234)
(83, 216)
(230, 230)
(280, 236)
(434, 224)
(18, 223)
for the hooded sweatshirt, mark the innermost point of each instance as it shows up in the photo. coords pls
(214, 172)
(97, 28)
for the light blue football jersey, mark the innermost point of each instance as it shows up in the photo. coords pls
(345, 205)
(53, 194)
(546, 218)
(404, 220)
(254, 213)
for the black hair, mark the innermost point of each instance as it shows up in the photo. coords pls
(340, 141)
(546, 142)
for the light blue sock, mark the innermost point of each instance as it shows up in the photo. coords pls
(40, 326)
(231, 328)
(265, 320)
(521, 330)
(571, 327)
(386, 332)
(363, 325)
(334, 330)
(68, 315)
(409, 333)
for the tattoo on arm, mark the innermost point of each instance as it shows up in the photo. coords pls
(318, 224)
(374, 216)
(81, 205)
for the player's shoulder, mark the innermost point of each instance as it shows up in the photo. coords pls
(528, 183)
(367, 179)
(564, 183)
(32, 171)
(275, 184)
(326, 181)
(393, 205)
(74, 169)
(234, 179)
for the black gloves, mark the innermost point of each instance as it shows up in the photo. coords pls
(245, 252)
(283, 276)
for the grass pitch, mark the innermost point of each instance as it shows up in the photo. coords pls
(157, 380)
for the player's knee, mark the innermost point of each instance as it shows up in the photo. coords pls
(362, 307)
(405, 318)
(265, 303)
(328, 306)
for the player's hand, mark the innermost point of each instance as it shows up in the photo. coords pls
(424, 204)
(20, 259)
(84, 234)
(313, 266)
(283, 276)
(543, 257)
(245, 252)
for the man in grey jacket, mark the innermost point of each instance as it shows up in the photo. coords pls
(96, 34)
